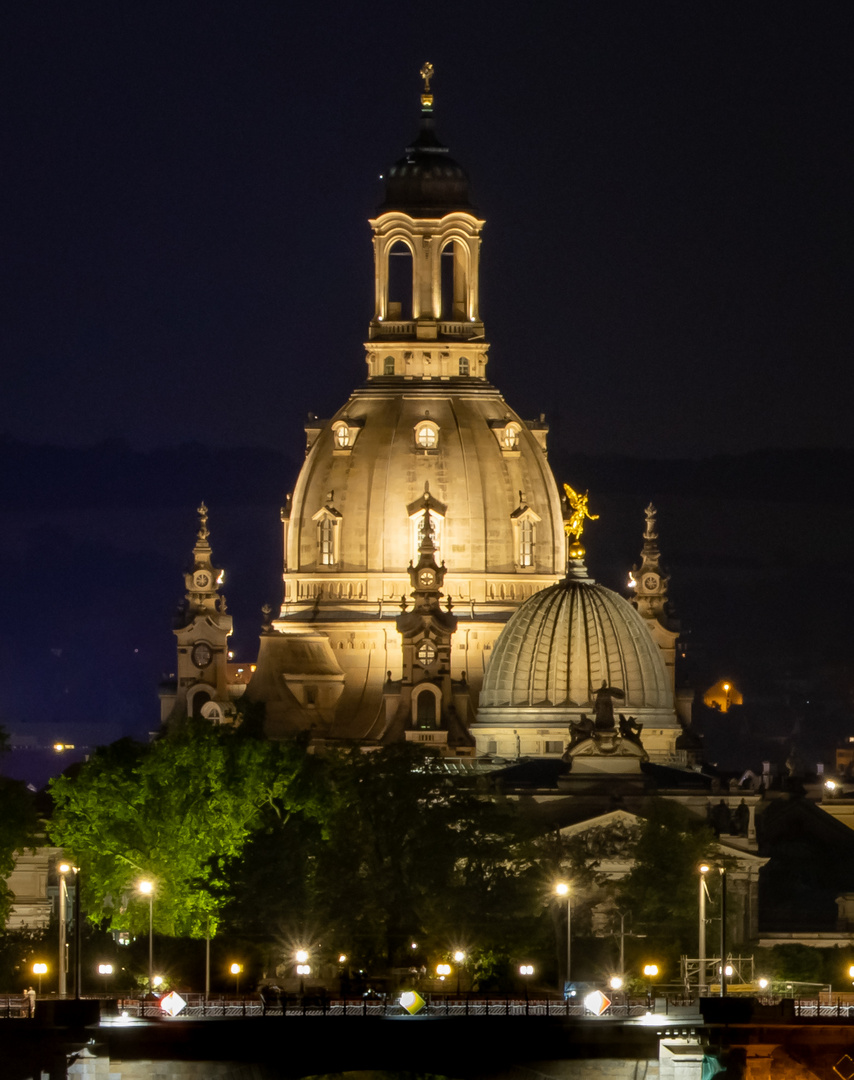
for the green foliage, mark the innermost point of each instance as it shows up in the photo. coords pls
(661, 889)
(803, 963)
(407, 853)
(177, 811)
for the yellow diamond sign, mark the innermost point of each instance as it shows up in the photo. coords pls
(412, 1002)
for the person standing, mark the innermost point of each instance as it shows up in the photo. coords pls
(30, 1001)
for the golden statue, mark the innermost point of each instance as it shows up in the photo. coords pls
(427, 96)
(574, 525)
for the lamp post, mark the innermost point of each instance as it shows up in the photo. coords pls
(526, 971)
(63, 868)
(235, 971)
(459, 960)
(40, 970)
(562, 889)
(704, 868)
(650, 970)
(722, 871)
(147, 889)
(303, 968)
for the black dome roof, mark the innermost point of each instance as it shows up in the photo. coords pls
(426, 182)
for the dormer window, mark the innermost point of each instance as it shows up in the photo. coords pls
(427, 435)
(464, 365)
(525, 523)
(510, 438)
(328, 522)
(342, 436)
(388, 365)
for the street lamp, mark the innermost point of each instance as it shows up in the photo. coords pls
(459, 960)
(651, 972)
(40, 969)
(147, 889)
(442, 970)
(526, 971)
(63, 868)
(562, 889)
(235, 971)
(704, 868)
(303, 968)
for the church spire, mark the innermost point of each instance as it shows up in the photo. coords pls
(649, 581)
(203, 580)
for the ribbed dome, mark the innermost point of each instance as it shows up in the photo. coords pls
(563, 642)
(426, 181)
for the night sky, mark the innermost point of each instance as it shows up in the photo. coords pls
(666, 273)
(667, 190)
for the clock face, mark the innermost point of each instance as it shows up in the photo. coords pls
(650, 582)
(426, 578)
(202, 655)
(201, 579)
(426, 653)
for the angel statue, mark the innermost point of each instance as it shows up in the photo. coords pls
(574, 526)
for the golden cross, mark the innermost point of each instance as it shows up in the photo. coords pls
(427, 75)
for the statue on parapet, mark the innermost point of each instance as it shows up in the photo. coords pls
(630, 728)
(603, 706)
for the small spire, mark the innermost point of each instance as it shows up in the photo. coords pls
(204, 532)
(427, 72)
(649, 532)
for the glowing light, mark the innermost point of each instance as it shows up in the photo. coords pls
(615, 982)
(146, 887)
(763, 984)
(526, 969)
(562, 889)
(172, 1004)
(301, 956)
(64, 867)
(342, 959)
(443, 969)
(105, 969)
(412, 1002)
(303, 969)
(39, 969)
(235, 969)
(651, 970)
(157, 980)
(596, 1002)
(831, 785)
(459, 956)
(704, 868)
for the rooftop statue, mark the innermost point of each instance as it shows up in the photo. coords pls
(574, 525)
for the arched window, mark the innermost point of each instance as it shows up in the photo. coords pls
(342, 436)
(388, 365)
(400, 282)
(427, 710)
(464, 365)
(427, 435)
(454, 269)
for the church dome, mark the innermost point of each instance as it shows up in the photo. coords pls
(561, 645)
(426, 182)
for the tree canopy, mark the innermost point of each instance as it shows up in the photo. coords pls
(177, 811)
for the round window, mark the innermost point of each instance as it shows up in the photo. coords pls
(426, 653)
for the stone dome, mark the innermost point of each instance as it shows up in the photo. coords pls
(426, 181)
(473, 485)
(561, 645)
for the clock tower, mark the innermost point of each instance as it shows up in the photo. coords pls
(649, 583)
(202, 628)
(426, 705)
